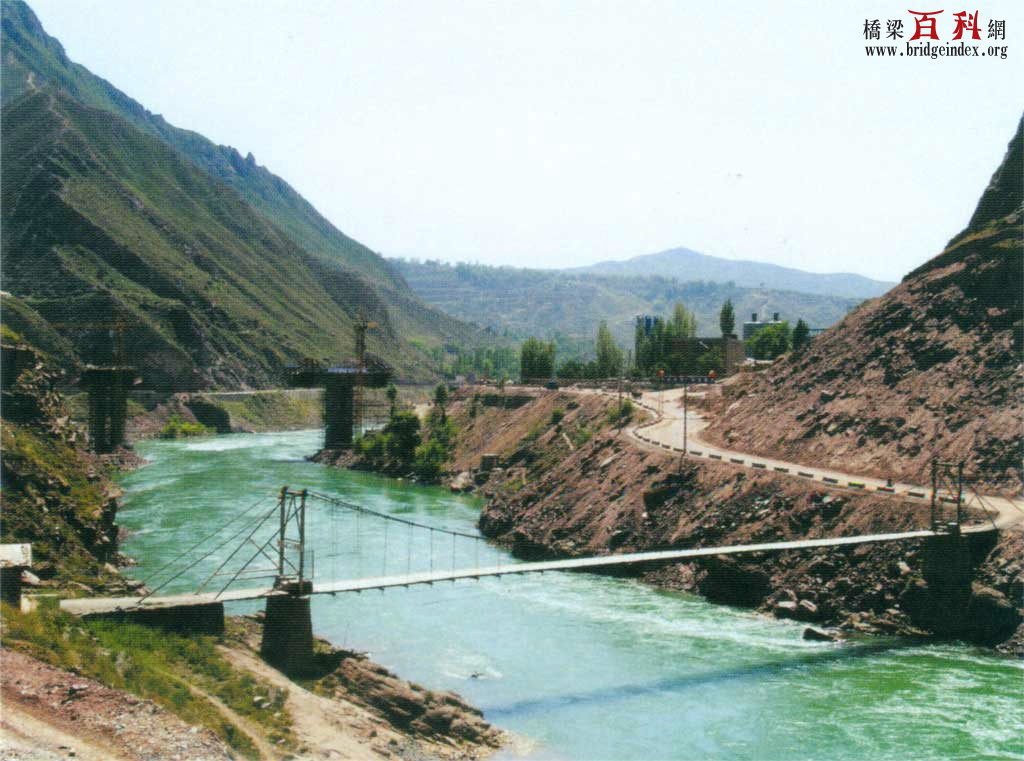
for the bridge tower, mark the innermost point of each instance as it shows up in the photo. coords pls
(343, 386)
(947, 477)
(942, 602)
(288, 626)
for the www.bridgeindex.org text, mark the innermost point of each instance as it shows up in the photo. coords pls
(929, 50)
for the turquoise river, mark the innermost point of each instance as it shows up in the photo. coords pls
(578, 666)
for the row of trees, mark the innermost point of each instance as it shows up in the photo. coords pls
(775, 340)
(537, 359)
(660, 344)
(484, 361)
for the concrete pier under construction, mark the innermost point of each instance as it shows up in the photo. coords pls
(339, 385)
(108, 404)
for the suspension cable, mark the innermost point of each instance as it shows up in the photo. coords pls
(206, 538)
(207, 554)
(234, 552)
(385, 516)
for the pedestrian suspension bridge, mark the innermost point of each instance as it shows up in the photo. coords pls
(308, 543)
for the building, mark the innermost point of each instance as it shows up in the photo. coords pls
(749, 328)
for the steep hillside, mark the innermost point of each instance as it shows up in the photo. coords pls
(545, 302)
(933, 368)
(572, 483)
(224, 271)
(99, 217)
(685, 264)
(32, 59)
(56, 495)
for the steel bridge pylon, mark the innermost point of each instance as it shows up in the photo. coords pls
(947, 478)
(288, 625)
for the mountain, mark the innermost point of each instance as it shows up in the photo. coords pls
(223, 269)
(546, 303)
(33, 59)
(684, 264)
(931, 369)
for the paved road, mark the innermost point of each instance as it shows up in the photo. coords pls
(666, 432)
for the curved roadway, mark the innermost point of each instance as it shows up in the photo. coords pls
(666, 433)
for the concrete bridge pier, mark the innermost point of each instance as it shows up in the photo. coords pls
(108, 405)
(339, 413)
(339, 385)
(288, 634)
(940, 602)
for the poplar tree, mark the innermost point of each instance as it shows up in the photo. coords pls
(609, 355)
(727, 319)
(801, 336)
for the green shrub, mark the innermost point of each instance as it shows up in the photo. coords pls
(403, 436)
(556, 415)
(177, 428)
(580, 436)
(621, 413)
(429, 460)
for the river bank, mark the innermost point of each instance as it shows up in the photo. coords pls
(98, 690)
(585, 666)
(149, 412)
(68, 699)
(570, 483)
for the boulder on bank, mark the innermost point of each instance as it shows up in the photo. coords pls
(820, 635)
(731, 582)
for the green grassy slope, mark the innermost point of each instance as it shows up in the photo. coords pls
(226, 270)
(100, 217)
(33, 59)
(546, 302)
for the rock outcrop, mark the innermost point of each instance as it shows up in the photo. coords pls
(582, 487)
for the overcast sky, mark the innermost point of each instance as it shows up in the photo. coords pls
(562, 133)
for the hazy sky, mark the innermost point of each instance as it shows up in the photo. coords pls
(562, 133)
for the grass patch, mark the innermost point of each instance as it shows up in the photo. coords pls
(622, 413)
(157, 665)
(580, 436)
(273, 412)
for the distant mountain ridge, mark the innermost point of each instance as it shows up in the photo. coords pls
(685, 264)
(546, 303)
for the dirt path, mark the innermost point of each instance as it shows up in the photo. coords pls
(328, 729)
(267, 751)
(27, 737)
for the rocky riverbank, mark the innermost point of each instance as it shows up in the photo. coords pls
(570, 482)
(96, 690)
(353, 709)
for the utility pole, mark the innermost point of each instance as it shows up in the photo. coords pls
(686, 415)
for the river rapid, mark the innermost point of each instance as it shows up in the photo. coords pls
(582, 667)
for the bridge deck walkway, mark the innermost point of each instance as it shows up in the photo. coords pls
(86, 606)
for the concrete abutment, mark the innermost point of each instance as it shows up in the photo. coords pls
(288, 634)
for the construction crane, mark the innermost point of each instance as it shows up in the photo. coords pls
(361, 326)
